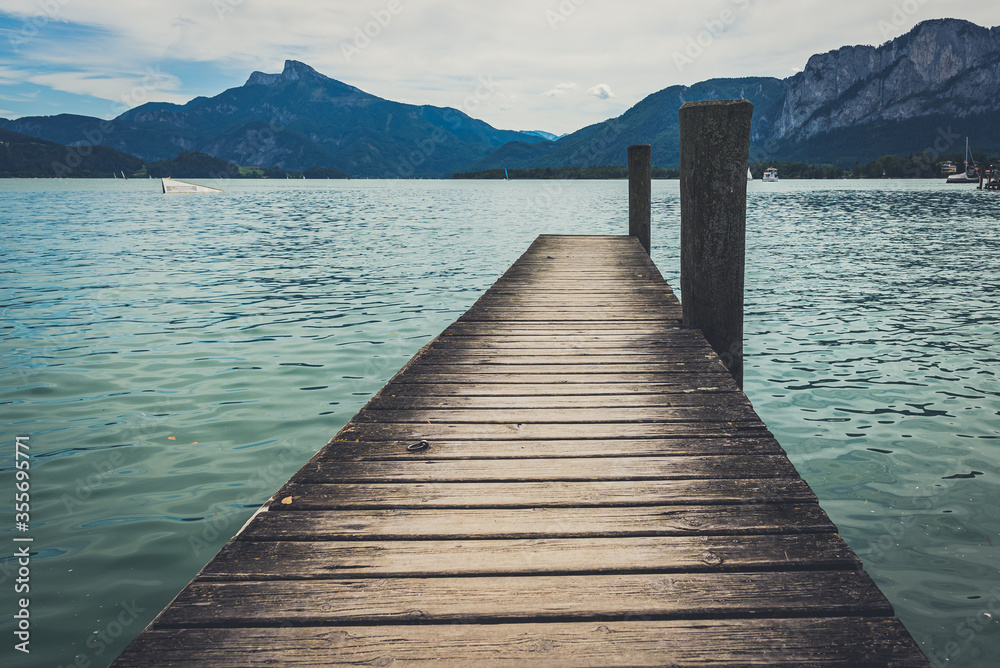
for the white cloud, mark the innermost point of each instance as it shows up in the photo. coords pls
(10, 76)
(601, 91)
(20, 97)
(127, 91)
(560, 89)
(437, 50)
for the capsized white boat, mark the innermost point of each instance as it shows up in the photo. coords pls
(175, 186)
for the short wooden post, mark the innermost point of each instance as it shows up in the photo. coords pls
(715, 147)
(640, 174)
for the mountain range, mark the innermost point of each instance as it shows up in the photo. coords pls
(928, 89)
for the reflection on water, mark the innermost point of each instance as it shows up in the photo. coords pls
(176, 359)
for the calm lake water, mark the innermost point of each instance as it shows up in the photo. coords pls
(174, 360)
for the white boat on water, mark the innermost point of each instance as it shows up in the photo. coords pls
(971, 173)
(770, 175)
(171, 186)
(749, 175)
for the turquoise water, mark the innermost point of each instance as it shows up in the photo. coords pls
(175, 359)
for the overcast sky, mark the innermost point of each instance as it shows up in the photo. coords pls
(554, 65)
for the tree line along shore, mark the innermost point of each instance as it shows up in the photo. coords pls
(23, 157)
(915, 166)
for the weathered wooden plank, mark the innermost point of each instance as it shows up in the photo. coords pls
(694, 366)
(525, 449)
(814, 642)
(562, 329)
(576, 416)
(708, 379)
(627, 271)
(552, 345)
(513, 523)
(690, 356)
(541, 494)
(628, 281)
(582, 315)
(426, 469)
(533, 599)
(611, 266)
(515, 346)
(670, 392)
(419, 397)
(561, 356)
(432, 431)
(633, 310)
(611, 298)
(585, 287)
(299, 559)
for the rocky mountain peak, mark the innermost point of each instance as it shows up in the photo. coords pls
(940, 66)
(294, 71)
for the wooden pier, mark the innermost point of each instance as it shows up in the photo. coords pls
(593, 490)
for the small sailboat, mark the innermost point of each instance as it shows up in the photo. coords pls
(171, 186)
(506, 177)
(770, 175)
(971, 173)
(749, 175)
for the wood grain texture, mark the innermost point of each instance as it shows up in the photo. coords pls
(418, 397)
(394, 600)
(576, 416)
(526, 391)
(271, 560)
(559, 494)
(528, 449)
(538, 469)
(437, 430)
(681, 381)
(595, 490)
(509, 523)
(817, 642)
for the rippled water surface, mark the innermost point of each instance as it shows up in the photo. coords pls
(174, 360)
